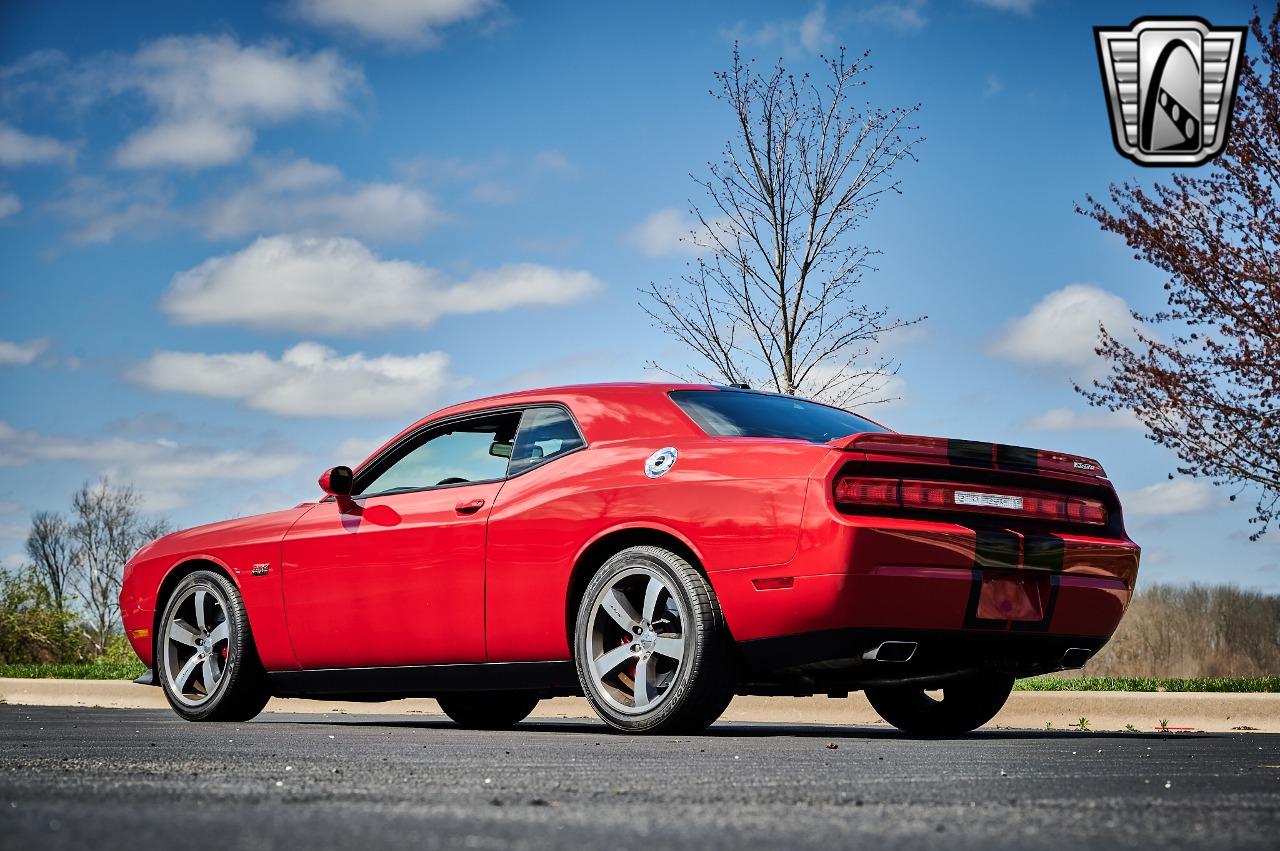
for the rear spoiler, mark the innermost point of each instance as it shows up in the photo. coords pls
(970, 453)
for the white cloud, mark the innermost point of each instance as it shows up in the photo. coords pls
(10, 205)
(1021, 7)
(281, 195)
(192, 143)
(901, 15)
(101, 209)
(401, 22)
(807, 34)
(993, 86)
(302, 195)
(209, 92)
(166, 473)
(18, 148)
(1066, 419)
(1062, 328)
(21, 354)
(1176, 496)
(308, 380)
(667, 232)
(335, 285)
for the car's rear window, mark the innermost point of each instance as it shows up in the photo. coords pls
(732, 413)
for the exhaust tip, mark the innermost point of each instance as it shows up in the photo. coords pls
(891, 651)
(1075, 657)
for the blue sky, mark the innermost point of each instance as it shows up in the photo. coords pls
(242, 241)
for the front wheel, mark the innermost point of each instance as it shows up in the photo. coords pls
(488, 710)
(966, 705)
(650, 644)
(205, 657)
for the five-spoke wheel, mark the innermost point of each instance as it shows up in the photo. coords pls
(205, 659)
(650, 644)
(637, 639)
(195, 652)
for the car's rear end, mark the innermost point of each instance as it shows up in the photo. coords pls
(924, 556)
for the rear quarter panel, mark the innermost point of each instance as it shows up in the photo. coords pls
(735, 503)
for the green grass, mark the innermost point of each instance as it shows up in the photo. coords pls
(86, 671)
(1217, 684)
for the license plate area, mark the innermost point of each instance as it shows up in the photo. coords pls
(1013, 596)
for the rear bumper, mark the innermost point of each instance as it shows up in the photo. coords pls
(981, 586)
(839, 659)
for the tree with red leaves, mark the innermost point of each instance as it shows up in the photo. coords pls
(1204, 374)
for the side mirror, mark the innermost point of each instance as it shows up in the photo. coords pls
(500, 450)
(336, 481)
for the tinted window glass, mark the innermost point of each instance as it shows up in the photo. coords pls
(544, 434)
(470, 451)
(726, 413)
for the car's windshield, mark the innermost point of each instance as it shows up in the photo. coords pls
(730, 413)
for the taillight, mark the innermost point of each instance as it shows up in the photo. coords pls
(855, 491)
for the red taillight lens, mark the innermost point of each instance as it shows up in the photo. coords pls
(979, 499)
(858, 491)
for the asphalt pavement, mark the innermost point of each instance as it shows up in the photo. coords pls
(140, 779)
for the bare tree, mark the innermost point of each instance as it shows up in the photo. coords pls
(108, 529)
(773, 301)
(50, 547)
(1205, 377)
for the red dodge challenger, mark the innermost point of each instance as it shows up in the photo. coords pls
(657, 548)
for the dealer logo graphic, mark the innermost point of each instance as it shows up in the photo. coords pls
(1170, 83)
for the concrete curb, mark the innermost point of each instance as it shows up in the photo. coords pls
(1025, 710)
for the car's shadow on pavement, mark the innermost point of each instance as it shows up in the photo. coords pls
(742, 730)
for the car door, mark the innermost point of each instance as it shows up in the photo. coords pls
(394, 574)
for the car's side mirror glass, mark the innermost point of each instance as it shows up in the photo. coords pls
(336, 481)
(500, 450)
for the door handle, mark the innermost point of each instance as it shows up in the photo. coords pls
(471, 506)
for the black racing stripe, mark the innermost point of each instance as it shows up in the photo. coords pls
(1043, 552)
(992, 548)
(971, 619)
(1017, 457)
(969, 453)
(996, 548)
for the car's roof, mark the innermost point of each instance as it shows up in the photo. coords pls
(606, 411)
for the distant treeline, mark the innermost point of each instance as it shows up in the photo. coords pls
(1194, 631)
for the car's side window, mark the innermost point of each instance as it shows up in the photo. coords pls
(544, 434)
(471, 450)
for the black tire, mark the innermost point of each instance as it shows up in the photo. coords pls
(703, 681)
(966, 705)
(241, 689)
(488, 710)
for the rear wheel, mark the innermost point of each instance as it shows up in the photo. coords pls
(488, 710)
(205, 657)
(966, 704)
(650, 644)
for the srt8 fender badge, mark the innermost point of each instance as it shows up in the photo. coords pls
(660, 462)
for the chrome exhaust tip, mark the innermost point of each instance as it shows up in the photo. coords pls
(891, 651)
(1075, 657)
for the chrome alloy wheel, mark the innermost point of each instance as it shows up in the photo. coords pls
(196, 646)
(637, 640)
